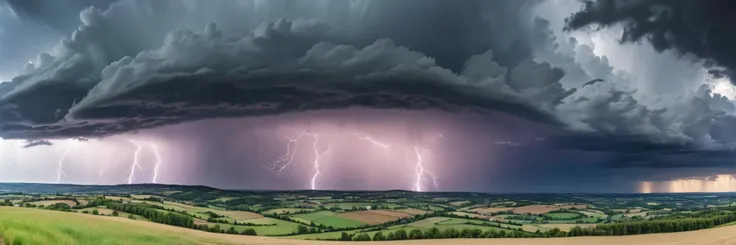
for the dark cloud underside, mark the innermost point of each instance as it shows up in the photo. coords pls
(700, 28)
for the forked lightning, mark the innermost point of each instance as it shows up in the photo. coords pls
(60, 168)
(135, 161)
(154, 147)
(282, 162)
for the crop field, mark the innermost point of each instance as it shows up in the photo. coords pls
(52, 202)
(16, 228)
(117, 198)
(286, 210)
(490, 210)
(411, 211)
(563, 216)
(459, 203)
(373, 217)
(199, 212)
(329, 218)
(337, 215)
(535, 209)
(473, 215)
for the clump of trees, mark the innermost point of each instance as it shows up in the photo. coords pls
(154, 215)
(59, 207)
(435, 233)
(217, 229)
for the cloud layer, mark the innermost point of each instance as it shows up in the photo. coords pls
(100, 84)
(139, 65)
(698, 28)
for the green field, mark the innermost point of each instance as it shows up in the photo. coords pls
(563, 216)
(593, 214)
(277, 227)
(199, 212)
(442, 223)
(191, 208)
(328, 218)
(21, 226)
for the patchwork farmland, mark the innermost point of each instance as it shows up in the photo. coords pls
(358, 216)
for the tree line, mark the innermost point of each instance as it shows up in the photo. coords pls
(654, 226)
(217, 229)
(154, 215)
(435, 233)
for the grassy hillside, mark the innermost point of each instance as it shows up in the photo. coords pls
(20, 226)
(23, 226)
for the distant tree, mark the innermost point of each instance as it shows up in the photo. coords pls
(451, 233)
(231, 230)
(115, 213)
(379, 236)
(433, 233)
(130, 216)
(249, 232)
(416, 234)
(95, 212)
(312, 230)
(345, 237)
(400, 235)
(302, 230)
(492, 234)
(362, 237)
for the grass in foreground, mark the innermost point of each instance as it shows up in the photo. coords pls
(24, 226)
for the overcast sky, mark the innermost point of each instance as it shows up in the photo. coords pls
(427, 95)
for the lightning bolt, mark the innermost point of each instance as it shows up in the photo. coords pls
(158, 162)
(317, 156)
(420, 171)
(135, 161)
(283, 162)
(370, 139)
(419, 167)
(59, 169)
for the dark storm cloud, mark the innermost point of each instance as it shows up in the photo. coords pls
(37, 143)
(130, 67)
(671, 159)
(101, 84)
(699, 28)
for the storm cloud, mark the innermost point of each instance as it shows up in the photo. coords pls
(101, 83)
(696, 28)
(139, 64)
